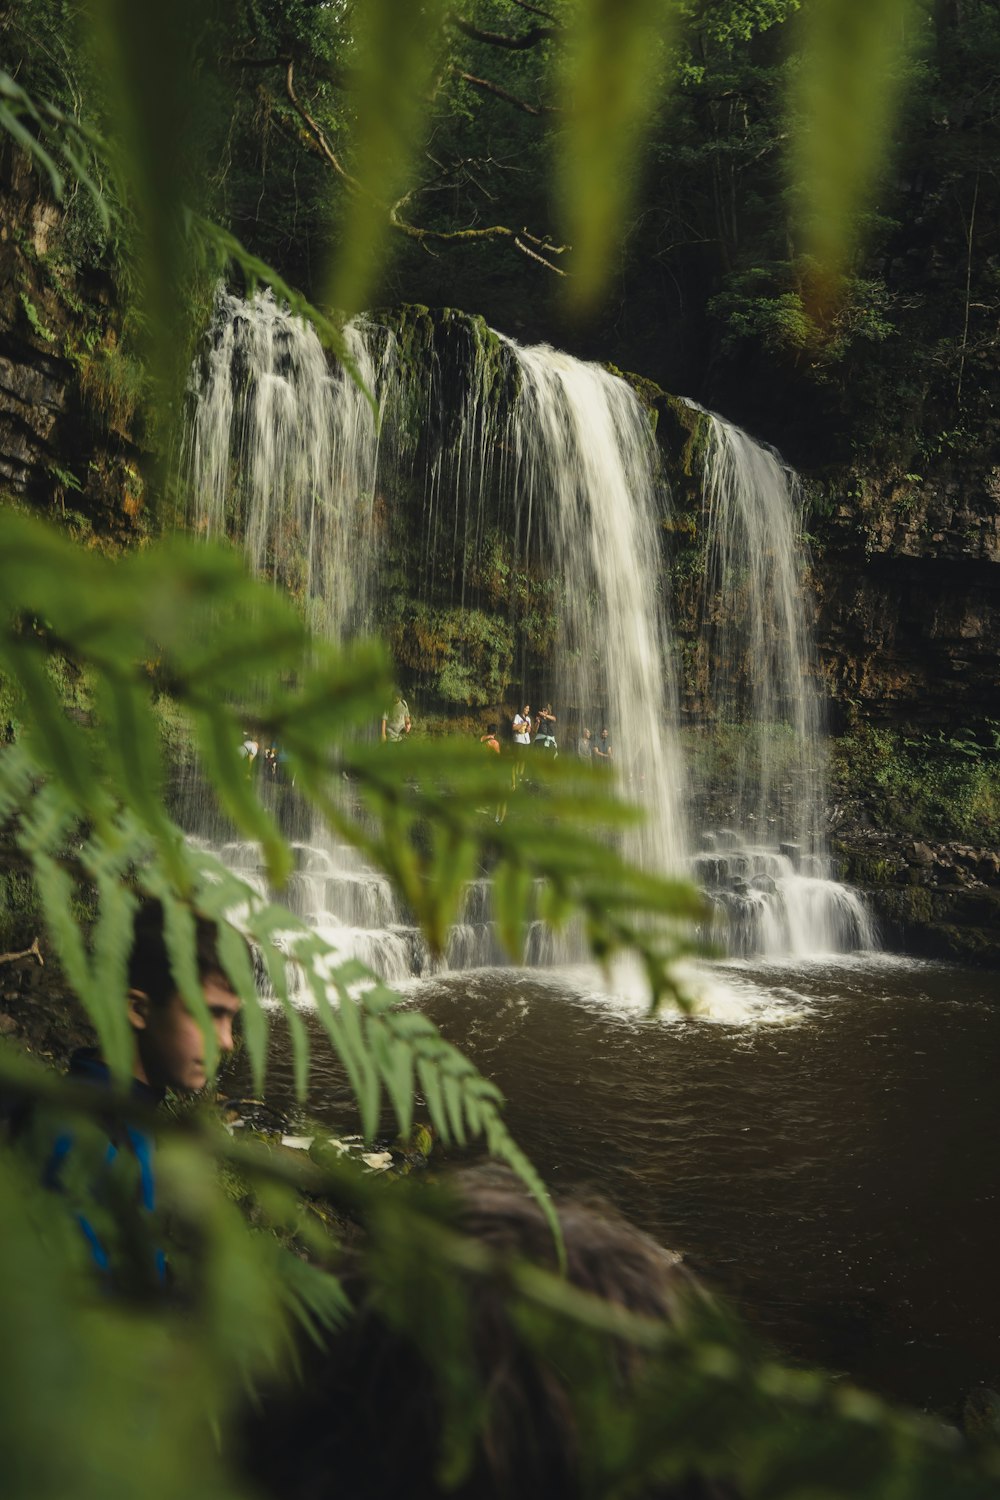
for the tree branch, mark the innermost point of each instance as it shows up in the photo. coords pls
(486, 87)
(33, 952)
(320, 143)
(522, 43)
(522, 241)
(492, 232)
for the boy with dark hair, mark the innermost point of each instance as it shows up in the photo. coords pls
(112, 1188)
(169, 1044)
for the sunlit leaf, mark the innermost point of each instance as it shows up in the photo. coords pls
(613, 71)
(395, 50)
(846, 94)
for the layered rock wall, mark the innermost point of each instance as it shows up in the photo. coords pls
(908, 583)
(70, 427)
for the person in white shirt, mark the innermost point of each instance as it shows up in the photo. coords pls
(522, 726)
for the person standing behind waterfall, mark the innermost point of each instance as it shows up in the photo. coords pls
(521, 726)
(603, 754)
(396, 721)
(545, 730)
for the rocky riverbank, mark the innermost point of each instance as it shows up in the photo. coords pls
(934, 900)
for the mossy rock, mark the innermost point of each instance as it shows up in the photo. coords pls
(908, 906)
(978, 946)
(968, 908)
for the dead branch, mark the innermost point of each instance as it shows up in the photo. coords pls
(487, 87)
(318, 136)
(322, 147)
(33, 952)
(533, 254)
(491, 232)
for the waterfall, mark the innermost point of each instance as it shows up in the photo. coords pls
(756, 765)
(585, 472)
(755, 642)
(483, 444)
(281, 452)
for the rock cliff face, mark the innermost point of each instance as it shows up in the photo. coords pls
(936, 900)
(908, 581)
(68, 393)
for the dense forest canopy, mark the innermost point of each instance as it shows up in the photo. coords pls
(713, 286)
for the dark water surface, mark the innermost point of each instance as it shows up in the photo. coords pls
(823, 1143)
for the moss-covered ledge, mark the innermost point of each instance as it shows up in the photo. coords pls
(939, 901)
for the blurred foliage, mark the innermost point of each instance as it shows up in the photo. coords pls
(613, 68)
(835, 301)
(83, 798)
(846, 97)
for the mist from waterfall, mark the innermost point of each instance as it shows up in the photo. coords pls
(283, 453)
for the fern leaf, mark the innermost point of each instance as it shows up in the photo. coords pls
(315, 1297)
(429, 1079)
(223, 249)
(394, 57)
(846, 94)
(396, 1064)
(219, 747)
(239, 971)
(33, 146)
(503, 1147)
(611, 77)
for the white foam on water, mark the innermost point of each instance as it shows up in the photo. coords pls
(715, 995)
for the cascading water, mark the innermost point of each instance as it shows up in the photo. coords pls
(558, 457)
(280, 453)
(757, 765)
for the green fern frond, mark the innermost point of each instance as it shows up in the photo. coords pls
(314, 1297)
(51, 133)
(612, 77)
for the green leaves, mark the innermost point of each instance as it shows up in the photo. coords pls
(367, 77)
(158, 100)
(393, 58)
(78, 1359)
(49, 135)
(612, 74)
(845, 97)
(233, 652)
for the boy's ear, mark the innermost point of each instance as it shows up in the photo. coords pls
(138, 1009)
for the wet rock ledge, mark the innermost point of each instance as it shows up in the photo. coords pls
(934, 900)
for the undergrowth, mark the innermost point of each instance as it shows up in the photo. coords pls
(936, 785)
